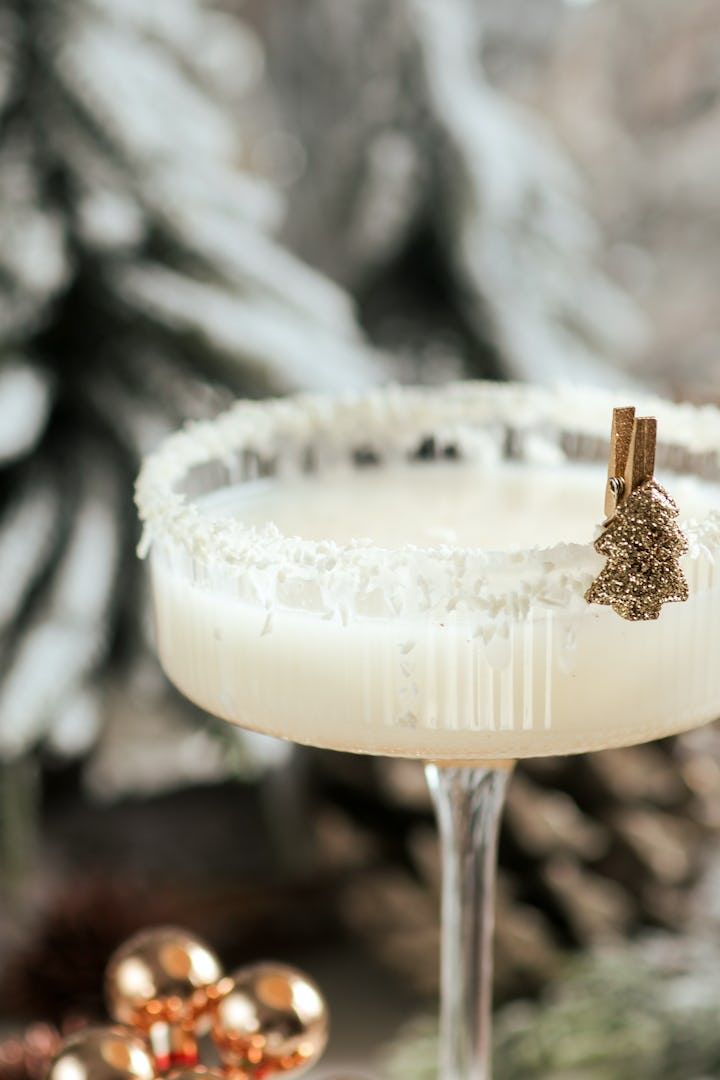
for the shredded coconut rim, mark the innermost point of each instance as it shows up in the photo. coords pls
(478, 421)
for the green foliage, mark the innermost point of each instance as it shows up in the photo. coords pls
(643, 1013)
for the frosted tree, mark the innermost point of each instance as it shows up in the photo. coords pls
(449, 207)
(139, 283)
(643, 544)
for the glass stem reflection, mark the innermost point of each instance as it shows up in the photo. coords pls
(468, 803)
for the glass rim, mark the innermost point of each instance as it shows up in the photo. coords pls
(474, 416)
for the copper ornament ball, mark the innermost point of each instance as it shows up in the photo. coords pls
(160, 974)
(109, 1053)
(272, 1019)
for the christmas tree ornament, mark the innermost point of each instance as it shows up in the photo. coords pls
(107, 1053)
(641, 538)
(273, 1019)
(158, 981)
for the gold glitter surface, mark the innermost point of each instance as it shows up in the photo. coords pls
(643, 544)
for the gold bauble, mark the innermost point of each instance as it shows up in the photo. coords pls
(160, 974)
(159, 981)
(109, 1053)
(271, 1019)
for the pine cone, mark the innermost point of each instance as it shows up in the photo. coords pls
(56, 948)
(592, 849)
(54, 967)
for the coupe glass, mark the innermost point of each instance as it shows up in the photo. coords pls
(463, 657)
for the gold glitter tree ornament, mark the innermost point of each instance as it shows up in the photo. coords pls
(641, 539)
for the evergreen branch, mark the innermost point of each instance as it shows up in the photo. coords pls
(25, 401)
(28, 532)
(296, 352)
(64, 638)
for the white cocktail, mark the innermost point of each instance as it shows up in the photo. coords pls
(404, 573)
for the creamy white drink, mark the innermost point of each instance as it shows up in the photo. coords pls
(405, 572)
(505, 507)
(543, 674)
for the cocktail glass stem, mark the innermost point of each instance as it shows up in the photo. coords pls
(468, 803)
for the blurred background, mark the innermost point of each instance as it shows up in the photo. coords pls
(200, 200)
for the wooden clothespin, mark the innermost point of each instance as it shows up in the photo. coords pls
(632, 456)
(641, 539)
